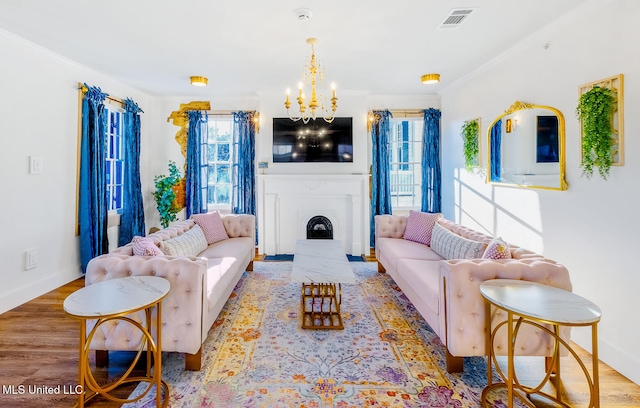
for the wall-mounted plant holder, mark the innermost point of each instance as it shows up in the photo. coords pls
(471, 146)
(616, 85)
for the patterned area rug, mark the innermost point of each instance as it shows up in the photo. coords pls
(257, 355)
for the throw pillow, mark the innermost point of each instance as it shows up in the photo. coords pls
(497, 249)
(420, 225)
(450, 245)
(191, 243)
(143, 246)
(212, 226)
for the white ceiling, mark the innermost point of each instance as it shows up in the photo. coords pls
(247, 47)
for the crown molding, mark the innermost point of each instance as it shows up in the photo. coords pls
(49, 53)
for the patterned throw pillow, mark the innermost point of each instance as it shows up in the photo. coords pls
(212, 226)
(497, 249)
(420, 225)
(143, 246)
(191, 243)
(450, 245)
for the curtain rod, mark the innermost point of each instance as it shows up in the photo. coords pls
(109, 97)
(404, 112)
(226, 112)
(116, 100)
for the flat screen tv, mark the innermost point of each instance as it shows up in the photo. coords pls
(316, 141)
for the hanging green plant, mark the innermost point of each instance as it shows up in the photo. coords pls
(165, 194)
(469, 133)
(595, 110)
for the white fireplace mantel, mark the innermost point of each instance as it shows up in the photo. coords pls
(287, 202)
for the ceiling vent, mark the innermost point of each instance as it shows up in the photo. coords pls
(455, 18)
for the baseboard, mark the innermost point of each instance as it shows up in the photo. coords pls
(26, 293)
(623, 362)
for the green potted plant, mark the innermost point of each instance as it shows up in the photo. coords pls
(469, 133)
(595, 110)
(165, 194)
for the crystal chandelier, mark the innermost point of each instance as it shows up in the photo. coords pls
(313, 73)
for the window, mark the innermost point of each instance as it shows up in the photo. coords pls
(219, 149)
(405, 167)
(115, 158)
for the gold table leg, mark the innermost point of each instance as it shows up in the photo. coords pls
(320, 306)
(90, 386)
(510, 380)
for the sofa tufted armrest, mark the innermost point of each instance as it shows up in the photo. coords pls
(181, 308)
(388, 226)
(464, 306)
(240, 225)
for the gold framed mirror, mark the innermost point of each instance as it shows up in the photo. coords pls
(526, 148)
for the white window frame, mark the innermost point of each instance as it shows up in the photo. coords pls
(115, 157)
(224, 208)
(405, 185)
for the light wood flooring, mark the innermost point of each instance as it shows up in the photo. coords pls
(39, 347)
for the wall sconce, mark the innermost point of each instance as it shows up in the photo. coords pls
(263, 165)
(256, 121)
(370, 119)
(508, 126)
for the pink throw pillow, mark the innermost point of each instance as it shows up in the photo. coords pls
(143, 246)
(212, 226)
(497, 249)
(420, 225)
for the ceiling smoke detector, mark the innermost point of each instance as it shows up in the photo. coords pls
(303, 13)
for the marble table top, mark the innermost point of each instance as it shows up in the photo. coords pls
(542, 302)
(321, 261)
(115, 296)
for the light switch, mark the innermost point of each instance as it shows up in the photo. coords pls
(30, 259)
(35, 165)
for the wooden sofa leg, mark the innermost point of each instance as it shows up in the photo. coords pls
(381, 268)
(193, 362)
(250, 267)
(454, 364)
(102, 358)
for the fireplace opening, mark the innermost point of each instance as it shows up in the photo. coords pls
(319, 227)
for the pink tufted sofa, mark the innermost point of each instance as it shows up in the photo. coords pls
(200, 286)
(447, 295)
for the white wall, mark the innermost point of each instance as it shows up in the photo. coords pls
(39, 116)
(592, 228)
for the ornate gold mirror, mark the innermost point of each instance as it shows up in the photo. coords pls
(526, 148)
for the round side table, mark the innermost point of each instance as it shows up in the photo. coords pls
(540, 306)
(114, 299)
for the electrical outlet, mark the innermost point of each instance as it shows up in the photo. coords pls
(30, 259)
